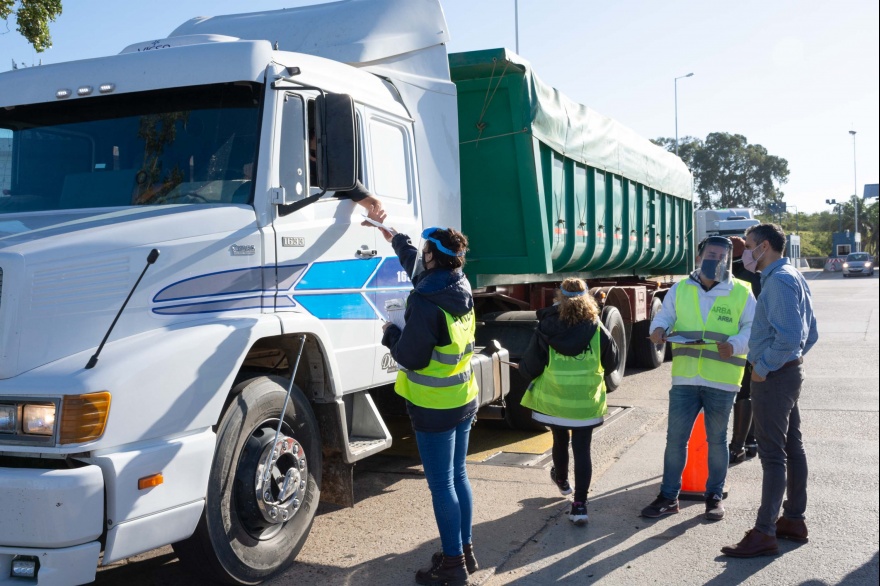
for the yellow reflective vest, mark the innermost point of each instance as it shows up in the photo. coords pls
(448, 380)
(690, 360)
(571, 387)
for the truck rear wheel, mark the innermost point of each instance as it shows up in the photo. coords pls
(613, 322)
(252, 528)
(645, 353)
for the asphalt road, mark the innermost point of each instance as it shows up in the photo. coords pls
(521, 532)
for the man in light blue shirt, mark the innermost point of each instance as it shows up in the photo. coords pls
(784, 329)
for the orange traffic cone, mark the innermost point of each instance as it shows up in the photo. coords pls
(696, 469)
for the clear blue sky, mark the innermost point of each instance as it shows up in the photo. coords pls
(792, 75)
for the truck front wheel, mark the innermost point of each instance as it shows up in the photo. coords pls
(255, 522)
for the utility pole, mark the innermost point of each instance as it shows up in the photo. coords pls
(516, 22)
(855, 196)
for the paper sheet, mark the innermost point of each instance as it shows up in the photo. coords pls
(378, 224)
(396, 308)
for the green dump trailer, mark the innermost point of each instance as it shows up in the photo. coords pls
(551, 189)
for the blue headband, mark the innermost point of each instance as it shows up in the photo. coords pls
(572, 293)
(426, 235)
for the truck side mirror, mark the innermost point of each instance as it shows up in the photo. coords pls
(336, 142)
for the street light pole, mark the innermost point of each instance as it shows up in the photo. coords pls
(855, 194)
(516, 22)
(676, 109)
(838, 207)
(797, 229)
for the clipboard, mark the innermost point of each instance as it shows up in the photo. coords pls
(687, 341)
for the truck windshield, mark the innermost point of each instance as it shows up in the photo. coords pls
(193, 145)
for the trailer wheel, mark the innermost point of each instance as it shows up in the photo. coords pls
(613, 322)
(646, 354)
(252, 529)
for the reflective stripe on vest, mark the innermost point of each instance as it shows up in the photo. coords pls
(571, 387)
(448, 380)
(723, 322)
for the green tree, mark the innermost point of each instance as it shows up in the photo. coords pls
(33, 18)
(729, 172)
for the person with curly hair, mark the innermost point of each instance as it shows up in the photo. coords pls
(565, 364)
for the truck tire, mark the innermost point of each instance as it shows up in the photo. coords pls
(241, 539)
(613, 322)
(646, 354)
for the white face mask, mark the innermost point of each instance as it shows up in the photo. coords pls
(750, 263)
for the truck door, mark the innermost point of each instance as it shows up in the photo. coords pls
(389, 165)
(325, 258)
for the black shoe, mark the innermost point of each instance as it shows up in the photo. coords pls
(751, 450)
(578, 514)
(661, 506)
(563, 485)
(714, 508)
(737, 455)
(450, 571)
(470, 560)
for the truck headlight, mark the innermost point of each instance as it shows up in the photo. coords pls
(38, 419)
(7, 418)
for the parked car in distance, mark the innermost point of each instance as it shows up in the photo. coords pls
(858, 263)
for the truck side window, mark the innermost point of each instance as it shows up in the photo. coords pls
(292, 173)
(5, 161)
(313, 145)
(388, 143)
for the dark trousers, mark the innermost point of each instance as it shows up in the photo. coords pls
(581, 441)
(780, 447)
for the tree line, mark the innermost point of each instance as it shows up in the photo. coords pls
(731, 173)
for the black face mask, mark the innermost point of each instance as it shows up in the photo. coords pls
(712, 269)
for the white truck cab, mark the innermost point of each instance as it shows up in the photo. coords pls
(174, 180)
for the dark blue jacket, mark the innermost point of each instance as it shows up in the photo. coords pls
(434, 291)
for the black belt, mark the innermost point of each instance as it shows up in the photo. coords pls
(796, 362)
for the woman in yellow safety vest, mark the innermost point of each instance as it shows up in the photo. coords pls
(434, 351)
(566, 361)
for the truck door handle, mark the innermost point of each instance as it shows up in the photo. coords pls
(360, 253)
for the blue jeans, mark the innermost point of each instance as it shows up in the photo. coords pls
(685, 402)
(443, 456)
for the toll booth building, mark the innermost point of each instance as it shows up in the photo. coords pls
(842, 243)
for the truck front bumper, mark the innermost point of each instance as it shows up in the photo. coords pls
(56, 516)
(64, 566)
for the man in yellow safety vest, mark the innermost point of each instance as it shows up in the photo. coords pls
(707, 318)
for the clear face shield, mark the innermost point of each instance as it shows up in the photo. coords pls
(424, 237)
(716, 259)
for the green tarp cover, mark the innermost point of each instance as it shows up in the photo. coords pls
(576, 131)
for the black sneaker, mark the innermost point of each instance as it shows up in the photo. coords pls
(563, 485)
(578, 514)
(714, 508)
(661, 506)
